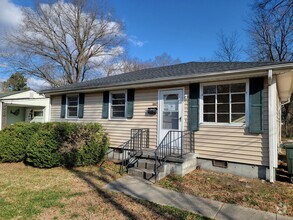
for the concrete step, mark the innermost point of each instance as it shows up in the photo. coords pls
(145, 174)
(148, 165)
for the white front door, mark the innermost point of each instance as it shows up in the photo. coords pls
(170, 112)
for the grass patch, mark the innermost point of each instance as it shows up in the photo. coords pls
(253, 193)
(58, 193)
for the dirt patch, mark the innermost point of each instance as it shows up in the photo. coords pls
(253, 193)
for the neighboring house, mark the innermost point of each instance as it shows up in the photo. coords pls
(21, 106)
(233, 108)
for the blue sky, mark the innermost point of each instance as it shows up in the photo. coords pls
(185, 29)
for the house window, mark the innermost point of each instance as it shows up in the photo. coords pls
(38, 113)
(72, 106)
(224, 103)
(118, 104)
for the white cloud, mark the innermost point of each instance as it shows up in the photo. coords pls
(37, 84)
(10, 14)
(136, 42)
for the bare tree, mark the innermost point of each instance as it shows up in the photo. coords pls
(229, 48)
(271, 31)
(163, 60)
(65, 42)
(126, 64)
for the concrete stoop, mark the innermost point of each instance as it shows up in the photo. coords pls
(144, 168)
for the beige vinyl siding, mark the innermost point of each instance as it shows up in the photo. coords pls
(234, 143)
(228, 143)
(118, 130)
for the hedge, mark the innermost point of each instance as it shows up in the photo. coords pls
(14, 140)
(54, 144)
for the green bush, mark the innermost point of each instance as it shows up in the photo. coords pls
(14, 139)
(86, 145)
(43, 149)
(54, 144)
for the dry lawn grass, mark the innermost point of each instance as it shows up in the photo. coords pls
(253, 193)
(31, 193)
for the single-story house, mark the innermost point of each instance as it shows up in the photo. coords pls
(234, 109)
(18, 106)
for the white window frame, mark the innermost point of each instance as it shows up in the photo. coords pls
(246, 124)
(110, 117)
(38, 110)
(66, 110)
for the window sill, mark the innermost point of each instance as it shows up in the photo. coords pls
(117, 119)
(223, 125)
(72, 119)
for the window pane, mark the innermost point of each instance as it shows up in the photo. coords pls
(238, 108)
(118, 114)
(171, 97)
(72, 100)
(38, 113)
(118, 105)
(209, 99)
(238, 118)
(118, 108)
(223, 98)
(239, 87)
(118, 96)
(223, 118)
(170, 120)
(209, 108)
(209, 117)
(209, 89)
(223, 88)
(238, 97)
(223, 108)
(72, 111)
(118, 102)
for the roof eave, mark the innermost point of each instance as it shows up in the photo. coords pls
(257, 71)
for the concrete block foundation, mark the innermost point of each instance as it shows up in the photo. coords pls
(245, 170)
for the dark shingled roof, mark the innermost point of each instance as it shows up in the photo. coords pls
(160, 73)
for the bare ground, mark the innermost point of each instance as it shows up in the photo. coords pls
(253, 193)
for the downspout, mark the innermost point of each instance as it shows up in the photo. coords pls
(272, 104)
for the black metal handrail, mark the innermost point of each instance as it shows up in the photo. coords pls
(175, 144)
(132, 149)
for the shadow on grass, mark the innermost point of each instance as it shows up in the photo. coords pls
(106, 177)
(101, 192)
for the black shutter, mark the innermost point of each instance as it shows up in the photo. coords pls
(256, 99)
(81, 105)
(63, 106)
(105, 112)
(193, 107)
(130, 103)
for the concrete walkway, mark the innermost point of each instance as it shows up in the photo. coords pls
(142, 189)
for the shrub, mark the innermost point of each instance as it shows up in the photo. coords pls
(14, 139)
(43, 150)
(87, 145)
(53, 144)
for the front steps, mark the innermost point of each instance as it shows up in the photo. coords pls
(144, 166)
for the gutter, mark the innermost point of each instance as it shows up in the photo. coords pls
(159, 81)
